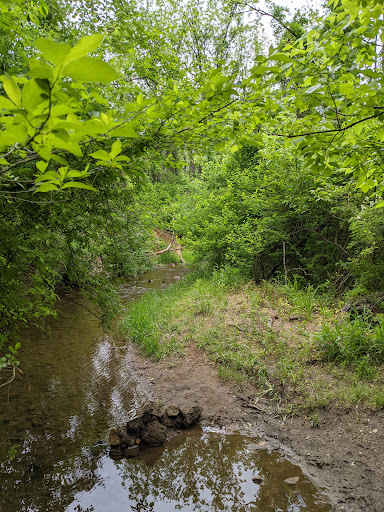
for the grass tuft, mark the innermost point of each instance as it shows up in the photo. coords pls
(357, 343)
(168, 257)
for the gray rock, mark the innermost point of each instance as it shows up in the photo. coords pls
(135, 426)
(150, 428)
(191, 416)
(292, 480)
(172, 411)
(253, 446)
(115, 453)
(155, 434)
(152, 409)
(101, 442)
(120, 437)
(169, 422)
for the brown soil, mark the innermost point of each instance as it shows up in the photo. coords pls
(344, 455)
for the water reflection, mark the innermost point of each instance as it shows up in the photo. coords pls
(76, 386)
(203, 471)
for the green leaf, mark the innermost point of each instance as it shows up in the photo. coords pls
(280, 57)
(12, 90)
(41, 70)
(42, 166)
(46, 187)
(32, 95)
(74, 174)
(62, 134)
(51, 176)
(70, 146)
(89, 69)
(220, 146)
(44, 85)
(52, 51)
(370, 73)
(100, 154)
(77, 184)
(380, 205)
(59, 159)
(86, 45)
(125, 131)
(5, 103)
(45, 152)
(43, 9)
(116, 149)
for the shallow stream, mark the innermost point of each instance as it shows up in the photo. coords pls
(76, 386)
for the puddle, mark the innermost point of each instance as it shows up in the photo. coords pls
(205, 471)
(76, 386)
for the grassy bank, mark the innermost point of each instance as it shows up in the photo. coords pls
(292, 345)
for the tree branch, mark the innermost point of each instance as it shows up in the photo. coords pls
(319, 132)
(263, 13)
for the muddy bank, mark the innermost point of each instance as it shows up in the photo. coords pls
(342, 453)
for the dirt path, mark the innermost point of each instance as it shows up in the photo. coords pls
(344, 455)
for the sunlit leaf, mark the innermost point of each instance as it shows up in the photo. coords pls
(89, 69)
(52, 51)
(12, 90)
(86, 45)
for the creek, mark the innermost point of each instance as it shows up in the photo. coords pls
(75, 387)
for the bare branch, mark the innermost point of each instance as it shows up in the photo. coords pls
(11, 379)
(319, 132)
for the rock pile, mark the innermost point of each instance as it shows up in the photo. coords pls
(151, 427)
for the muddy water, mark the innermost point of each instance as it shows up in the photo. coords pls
(75, 387)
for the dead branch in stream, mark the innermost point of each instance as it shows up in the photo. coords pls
(168, 249)
(11, 379)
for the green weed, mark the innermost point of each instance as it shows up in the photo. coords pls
(378, 399)
(360, 393)
(228, 374)
(289, 371)
(357, 343)
(314, 421)
(188, 256)
(304, 301)
(168, 257)
(148, 320)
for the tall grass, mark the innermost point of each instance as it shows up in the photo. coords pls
(168, 257)
(149, 318)
(358, 343)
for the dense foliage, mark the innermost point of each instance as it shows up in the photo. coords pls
(266, 212)
(117, 117)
